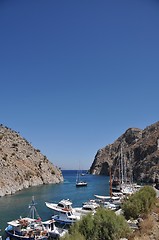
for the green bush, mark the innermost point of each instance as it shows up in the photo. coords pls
(85, 226)
(139, 203)
(131, 208)
(74, 236)
(104, 225)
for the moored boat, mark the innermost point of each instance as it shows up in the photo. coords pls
(63, 212)
(109, 202)
(64, 204)
(26, 229)
(31, 227)
(65, 217)
(87, 208)
(79, 182)
(53, 230)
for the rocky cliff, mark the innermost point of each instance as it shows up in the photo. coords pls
(139, 150)
(22, 166)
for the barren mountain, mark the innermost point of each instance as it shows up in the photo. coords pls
(139, 150)
(22, 166)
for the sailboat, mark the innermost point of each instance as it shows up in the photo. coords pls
(110, 202)
(124, 182)
(79, 182)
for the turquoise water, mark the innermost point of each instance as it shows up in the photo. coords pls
(14, 206)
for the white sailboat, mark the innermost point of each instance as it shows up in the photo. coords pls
(79, 182)
(124, 182)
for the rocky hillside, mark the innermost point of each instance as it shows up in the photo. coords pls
(22, 166)
(138, 148)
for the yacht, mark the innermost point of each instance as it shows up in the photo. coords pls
(87, 208)
(64, 204)
(63, 212)
(65, 217)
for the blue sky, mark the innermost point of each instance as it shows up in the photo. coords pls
(74, 75)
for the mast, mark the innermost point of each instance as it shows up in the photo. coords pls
(110, 173)
(125, 169)
(33, 212)
(122, 174)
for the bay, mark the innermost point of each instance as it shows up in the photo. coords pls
(14, 206)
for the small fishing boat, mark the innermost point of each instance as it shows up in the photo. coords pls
(54, 231)
(31, 227)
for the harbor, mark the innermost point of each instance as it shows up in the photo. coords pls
(14, 206)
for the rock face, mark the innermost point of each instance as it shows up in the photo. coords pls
(22, 166)
(140, 152)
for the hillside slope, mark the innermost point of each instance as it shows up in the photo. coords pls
(140, 151)
(22, 166)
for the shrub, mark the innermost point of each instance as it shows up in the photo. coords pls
(85, 226)
(146, 225)
(139, 203)
(75, 236)
(104, 225)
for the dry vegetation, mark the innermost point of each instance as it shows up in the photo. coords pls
(149, 227)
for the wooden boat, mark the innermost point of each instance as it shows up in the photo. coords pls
(54, 231)
(32, 227)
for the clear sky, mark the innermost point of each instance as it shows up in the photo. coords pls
(76, 74)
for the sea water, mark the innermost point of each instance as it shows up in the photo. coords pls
(14, 206)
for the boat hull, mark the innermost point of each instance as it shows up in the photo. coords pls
(63, 221)
(81, 184)
(18, 235)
